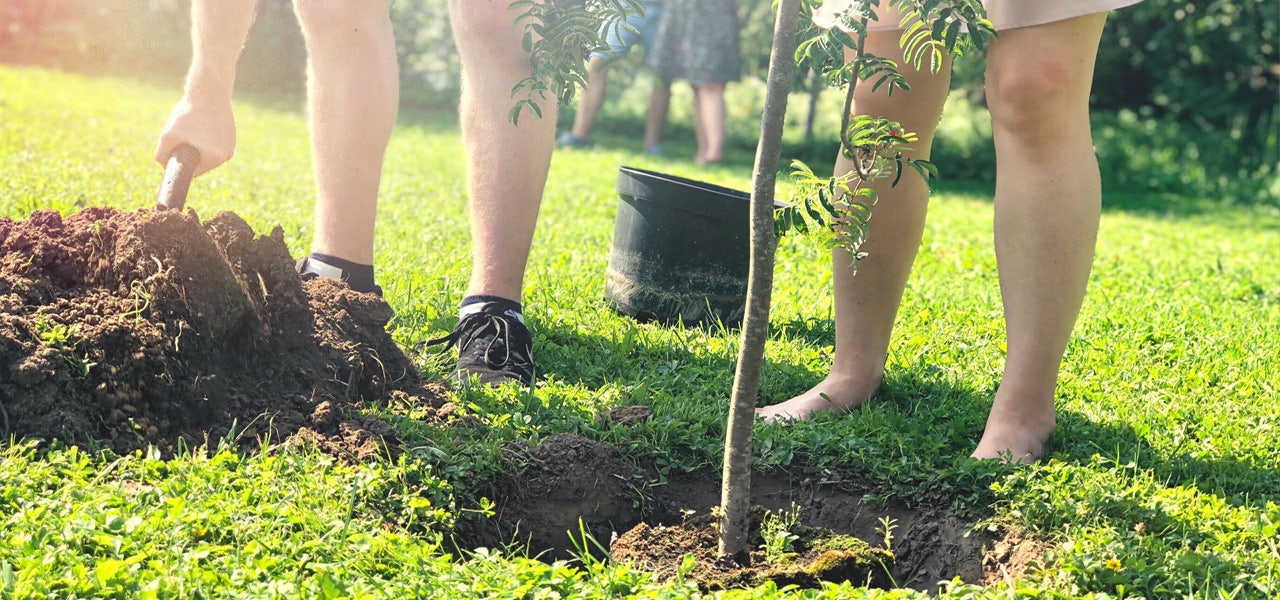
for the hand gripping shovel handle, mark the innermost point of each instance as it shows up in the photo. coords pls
(177, 177)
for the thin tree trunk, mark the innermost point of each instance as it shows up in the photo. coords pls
(735, 487)
(815, 91)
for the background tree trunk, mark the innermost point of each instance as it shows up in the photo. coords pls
(816, 85)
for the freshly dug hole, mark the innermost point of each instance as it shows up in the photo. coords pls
(653, 523)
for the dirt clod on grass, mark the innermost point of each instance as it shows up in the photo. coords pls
(135, 329)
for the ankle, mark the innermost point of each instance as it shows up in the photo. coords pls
(1031, 408)
(865, 380)
(848, 390)
(358, 277)
(1021, 424)
(484, 303)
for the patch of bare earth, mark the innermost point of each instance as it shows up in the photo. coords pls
(567, 479)
(135, 329)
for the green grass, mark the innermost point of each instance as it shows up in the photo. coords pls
(1163, 480)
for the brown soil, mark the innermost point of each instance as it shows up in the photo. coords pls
(655, 525)
(147, 328)
(814, 556)
(154, 329)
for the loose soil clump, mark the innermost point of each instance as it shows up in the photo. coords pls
(136, 329)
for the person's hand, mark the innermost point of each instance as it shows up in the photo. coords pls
(209, 126)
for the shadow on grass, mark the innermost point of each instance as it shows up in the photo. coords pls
(1078, 439)
(1152, 205)
(630, 359)
(1166, 206)
(930, 423)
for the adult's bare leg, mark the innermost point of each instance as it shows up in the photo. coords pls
(656, 116)
(592, 98)
(867, 304)
(506, 163)
(711, 110)
(1047, 206)
(352, 98)
(699, 127)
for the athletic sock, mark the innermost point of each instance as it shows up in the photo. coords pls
(358, 276)
(477, 303)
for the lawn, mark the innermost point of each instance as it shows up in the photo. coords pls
(1163, 478)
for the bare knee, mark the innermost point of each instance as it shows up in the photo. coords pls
(597, 67)
(1038, 98)
(482, 19)
(324, 17)
(710, 88)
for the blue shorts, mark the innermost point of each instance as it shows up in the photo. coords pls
(620, 39)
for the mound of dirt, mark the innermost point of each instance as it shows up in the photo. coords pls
(129, 329)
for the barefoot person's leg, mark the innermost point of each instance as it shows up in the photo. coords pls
(656, 116)
(711, 112)
(620, 39)
(1047, 206)
(867, 304)
(592, 100)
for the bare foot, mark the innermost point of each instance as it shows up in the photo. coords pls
(835, 393)
(1017, 433)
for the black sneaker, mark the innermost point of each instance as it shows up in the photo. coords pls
(494, 345)
(309, 268)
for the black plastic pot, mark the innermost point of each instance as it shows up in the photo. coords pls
(681, 250)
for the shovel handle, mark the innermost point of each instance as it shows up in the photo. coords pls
(178, 172)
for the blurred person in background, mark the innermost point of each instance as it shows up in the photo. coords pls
(698, 42)
(642, 29)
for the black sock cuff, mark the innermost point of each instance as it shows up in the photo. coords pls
(501, 302)
(341, 263)
(358, 276)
